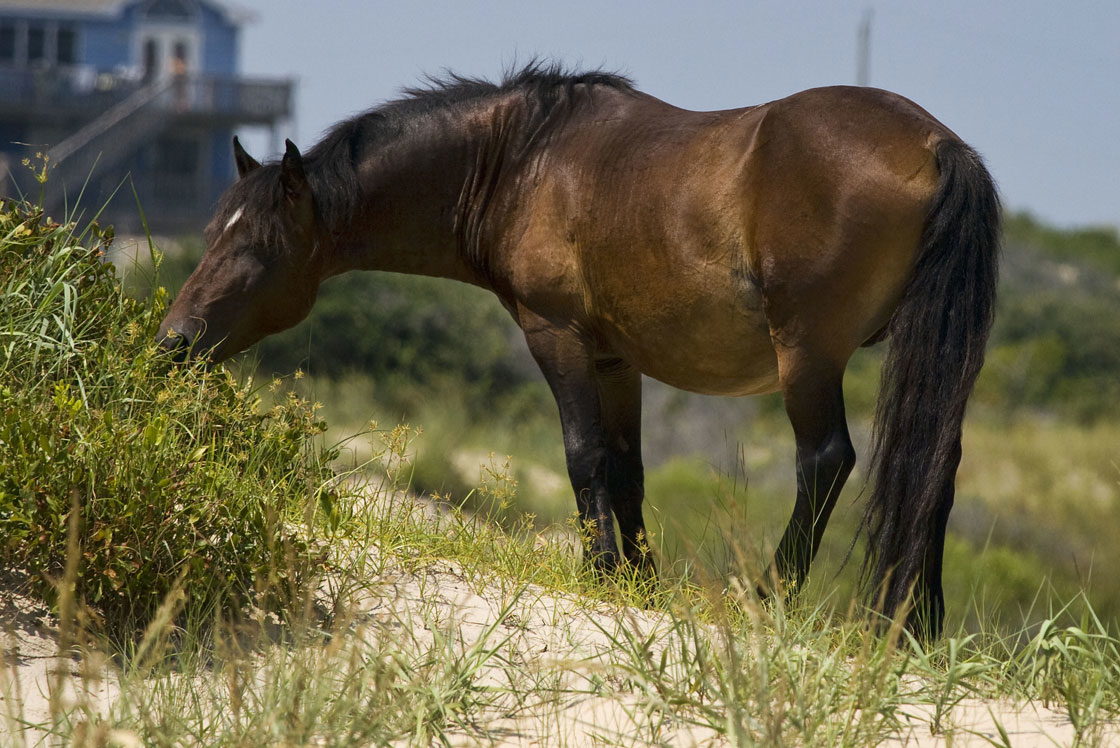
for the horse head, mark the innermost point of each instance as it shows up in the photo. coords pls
(262, 266)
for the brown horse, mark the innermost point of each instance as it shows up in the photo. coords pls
(730, 253)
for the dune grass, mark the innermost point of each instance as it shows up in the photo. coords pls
(402, 658)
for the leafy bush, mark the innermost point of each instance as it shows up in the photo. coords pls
(178, 481)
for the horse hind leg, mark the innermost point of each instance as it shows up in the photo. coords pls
(814, 400)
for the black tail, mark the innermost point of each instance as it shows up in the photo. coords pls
(937, 339)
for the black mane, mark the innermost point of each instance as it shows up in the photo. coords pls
(544, 83)
(331, 164)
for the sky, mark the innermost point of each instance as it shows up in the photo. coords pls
(1034, 85)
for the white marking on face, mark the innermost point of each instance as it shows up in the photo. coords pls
(234, 219)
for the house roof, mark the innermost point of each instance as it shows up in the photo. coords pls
(232, 13)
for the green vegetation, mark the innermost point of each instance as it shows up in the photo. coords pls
(150, 479)
(211, 568)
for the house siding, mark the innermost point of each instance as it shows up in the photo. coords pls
(106, 45)
(219, 44)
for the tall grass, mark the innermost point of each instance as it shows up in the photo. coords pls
(449, 630)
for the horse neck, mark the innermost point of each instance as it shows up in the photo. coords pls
(422, 207)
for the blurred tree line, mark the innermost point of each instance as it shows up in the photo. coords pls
(1056, 342)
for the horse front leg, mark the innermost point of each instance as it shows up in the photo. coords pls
(565, 358)
(620, 395)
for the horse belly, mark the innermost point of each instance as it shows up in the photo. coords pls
(700, 342)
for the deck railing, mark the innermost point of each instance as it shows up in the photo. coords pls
(78, 91)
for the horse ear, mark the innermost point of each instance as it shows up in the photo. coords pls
(292, 175)
(245, 162)
(294, 180)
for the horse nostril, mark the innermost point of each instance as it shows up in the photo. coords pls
(177, 344)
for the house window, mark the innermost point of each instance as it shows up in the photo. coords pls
(66, 46)
(7, 43)
(151, 60)
(23, 43)
(36, 43)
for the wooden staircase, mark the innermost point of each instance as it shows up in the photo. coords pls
(105, 142)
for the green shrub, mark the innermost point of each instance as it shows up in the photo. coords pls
(178, 480)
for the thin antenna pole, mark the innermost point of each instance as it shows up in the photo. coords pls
(863, 58)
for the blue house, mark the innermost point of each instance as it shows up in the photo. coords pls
(123, 95)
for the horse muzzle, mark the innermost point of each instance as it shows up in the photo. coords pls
(178, 345)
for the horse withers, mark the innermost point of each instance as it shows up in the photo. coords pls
(730, 253)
